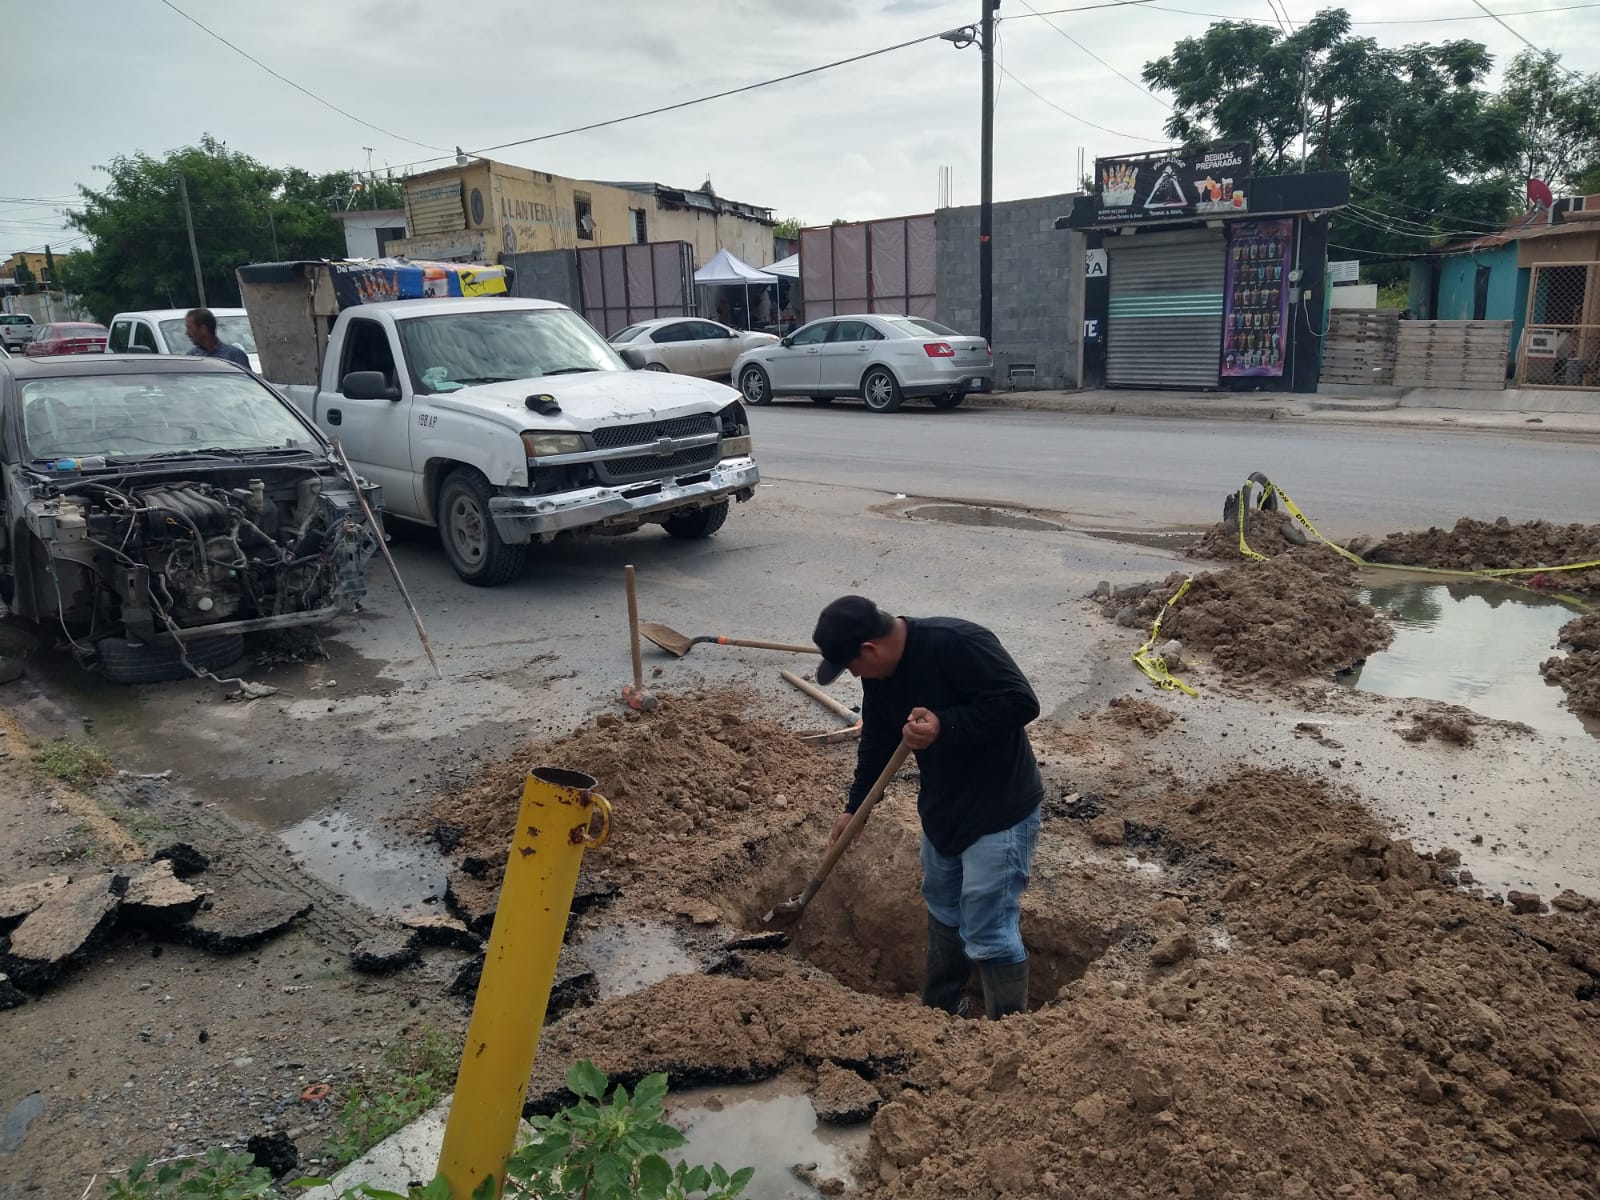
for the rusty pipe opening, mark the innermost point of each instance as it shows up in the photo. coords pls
(560, 777)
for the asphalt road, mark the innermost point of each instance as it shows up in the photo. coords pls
(1129, 472)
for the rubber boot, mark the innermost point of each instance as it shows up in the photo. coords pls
(948, 969)
(1005, 988)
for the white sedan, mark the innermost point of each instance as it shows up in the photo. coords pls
(689, 345)
(879, 357)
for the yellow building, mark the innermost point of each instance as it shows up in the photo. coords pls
(34, 260)
(485, 209)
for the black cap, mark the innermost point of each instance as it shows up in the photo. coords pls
(842, 627)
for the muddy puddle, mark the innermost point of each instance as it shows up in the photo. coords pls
(386, 876)
(1476, 644)
(770, 1126)
(982, 515)
(630, 955)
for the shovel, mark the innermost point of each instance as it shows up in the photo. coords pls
(677, 644)
(790, 911)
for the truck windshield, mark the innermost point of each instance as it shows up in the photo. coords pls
(234, 330)
(447, 351)
(136, 416)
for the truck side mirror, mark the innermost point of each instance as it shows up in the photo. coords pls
(634, 358)
(367, 385)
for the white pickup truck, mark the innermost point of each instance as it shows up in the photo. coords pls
(501, 421)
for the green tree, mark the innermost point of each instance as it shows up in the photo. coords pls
(23, 274)
(1430, 149)
(789, 227)
(244, 211)
(1560, 120)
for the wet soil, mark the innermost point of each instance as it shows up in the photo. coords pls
(1578, 671)
(1473, 545)
(1292, 615)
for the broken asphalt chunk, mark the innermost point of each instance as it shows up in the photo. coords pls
(17, 902)
(185, 859)
(243, 915)
(153, 895)
(385, 953)
(441, 929)
(59, 930)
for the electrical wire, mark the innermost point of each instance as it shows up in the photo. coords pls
(1093, 55)
(1542, 53)
(1133, 137)
(1277, 16)
(328, 104)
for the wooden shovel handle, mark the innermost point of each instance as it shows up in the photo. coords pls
(633, 629)
(820, 696)
(859, 820)
(755, 645)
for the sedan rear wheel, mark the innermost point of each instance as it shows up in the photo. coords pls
(655, 366)
(881, 390)
(949, 400)
(755, 385)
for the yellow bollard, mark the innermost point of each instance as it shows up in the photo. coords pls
(553, 829)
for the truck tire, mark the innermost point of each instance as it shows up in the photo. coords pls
(697, 525)
(122, 661)
(471, 542)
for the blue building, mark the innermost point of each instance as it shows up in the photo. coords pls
(1477, 279)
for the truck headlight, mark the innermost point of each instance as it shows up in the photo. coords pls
(737, 447)
(544, 445)
(733, 421)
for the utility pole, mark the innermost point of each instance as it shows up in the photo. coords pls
(986, 186)
(194, 251)
(273, 226)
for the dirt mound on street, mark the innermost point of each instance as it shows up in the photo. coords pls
(1268, 533)
(1323, 1016)
(1578, 673)
(1292, 615)
(688, 783)
(1493, 545)
(1144, 715)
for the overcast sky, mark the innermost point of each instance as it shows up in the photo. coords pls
(90, 80)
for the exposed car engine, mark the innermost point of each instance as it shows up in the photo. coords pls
(272, 547)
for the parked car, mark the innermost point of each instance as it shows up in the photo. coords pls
(501, 421)
(689, 345)
(157, 509)
(67, 337)
(881, 358)
(16, 330)
(161, 331)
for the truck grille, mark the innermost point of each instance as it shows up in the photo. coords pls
(633, 470)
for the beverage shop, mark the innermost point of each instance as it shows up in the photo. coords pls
(1200, 275)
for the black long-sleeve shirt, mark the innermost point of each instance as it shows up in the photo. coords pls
(979, 777)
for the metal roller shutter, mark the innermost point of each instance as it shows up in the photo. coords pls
(1164, 325)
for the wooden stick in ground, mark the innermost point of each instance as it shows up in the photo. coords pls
(791, 910)
(377, 532)
(633, 628)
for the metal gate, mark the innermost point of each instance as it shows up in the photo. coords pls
(624, 284)
(1561, 340)
(1164, 322)
(887, 266)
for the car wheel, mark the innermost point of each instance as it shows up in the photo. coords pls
(881, 390)
(822, 399)
(697, 525)
(655, 366)
(471, 542)
(127, 662)
(949, 400)
(755, 385)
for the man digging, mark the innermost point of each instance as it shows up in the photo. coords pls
(960, 701)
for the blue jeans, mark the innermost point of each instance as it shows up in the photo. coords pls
(979, 892)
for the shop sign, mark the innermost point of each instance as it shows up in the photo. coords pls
(1169, 185)
(1095, 264)
(1255, 313)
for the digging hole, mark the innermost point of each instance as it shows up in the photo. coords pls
(868, 927)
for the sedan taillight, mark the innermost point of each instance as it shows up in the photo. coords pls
(938, 350)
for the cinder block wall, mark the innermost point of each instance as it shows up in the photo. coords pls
(1032, 278)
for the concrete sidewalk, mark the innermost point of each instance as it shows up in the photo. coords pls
(1564, 413)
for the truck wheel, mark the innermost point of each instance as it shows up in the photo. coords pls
(471, 542)
(881, 390)
(697, 525)
(122, 661)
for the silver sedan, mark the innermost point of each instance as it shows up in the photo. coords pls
(881, 358)
(689, 345)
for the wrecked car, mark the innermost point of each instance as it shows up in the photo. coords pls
(159, 508)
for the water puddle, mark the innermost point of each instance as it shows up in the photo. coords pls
(1175, 540)
(384, 877)
(15, 1123)
(1477, 644)
(770, 1126)
(632, 955)
(982, 515)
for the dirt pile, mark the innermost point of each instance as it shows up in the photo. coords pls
(688, 784)
(1578, 672)
(1295, 614)
(1324, 1016)
(1493, 545)
(1144, 715)
(1267, 533)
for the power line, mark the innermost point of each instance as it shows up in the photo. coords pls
(1542, 53)
(1277, 16)
(1075, 117)
(1092, 54)
(285, 79)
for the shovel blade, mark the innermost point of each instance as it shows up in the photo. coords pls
(670, 640)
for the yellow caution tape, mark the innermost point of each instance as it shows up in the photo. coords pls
(1152, 664)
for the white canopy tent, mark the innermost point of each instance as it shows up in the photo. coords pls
(726, 270)
(789, 267)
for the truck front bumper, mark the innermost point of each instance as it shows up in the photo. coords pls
(522, 518)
